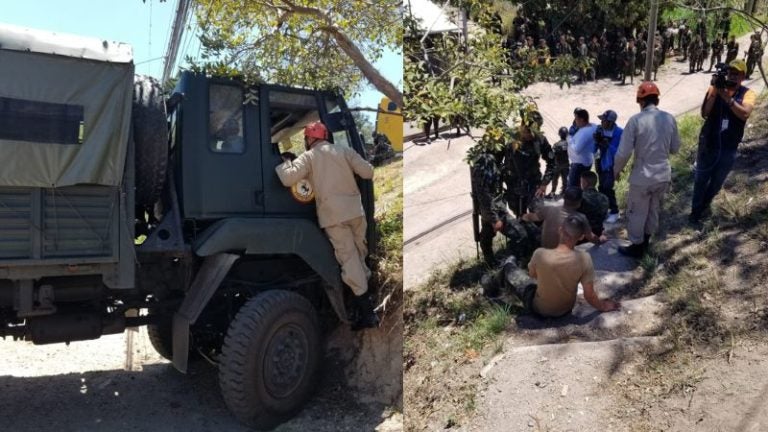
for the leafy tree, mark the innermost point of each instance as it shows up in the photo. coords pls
(309, 43)
(472, 84)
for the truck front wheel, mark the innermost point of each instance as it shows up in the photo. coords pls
(269, 358)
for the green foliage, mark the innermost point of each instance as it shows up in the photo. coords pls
(472, 83)
(689, 127)
(295, 42)
(486, 327)
(587, 17)
(740, 25)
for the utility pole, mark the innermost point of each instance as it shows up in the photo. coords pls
(182, 11)
(650, 43)
(464, 30)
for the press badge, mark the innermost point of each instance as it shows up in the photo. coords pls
(724, 125)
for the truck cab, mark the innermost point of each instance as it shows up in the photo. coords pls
(122, 205)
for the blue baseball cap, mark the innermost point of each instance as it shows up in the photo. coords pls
(609, 115)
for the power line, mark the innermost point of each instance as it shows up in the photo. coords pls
(169, 26)
(149, 50)
(182, 12)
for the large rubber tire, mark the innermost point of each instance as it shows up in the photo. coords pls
(161, 338)
(269, 359)
(150, 134)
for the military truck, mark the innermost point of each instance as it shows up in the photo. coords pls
(123, 206)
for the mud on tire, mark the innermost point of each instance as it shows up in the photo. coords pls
(150, 134)
(269, 359)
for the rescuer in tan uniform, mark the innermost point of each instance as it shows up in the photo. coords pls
(331, 169)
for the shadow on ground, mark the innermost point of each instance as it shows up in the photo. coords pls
(159, 398)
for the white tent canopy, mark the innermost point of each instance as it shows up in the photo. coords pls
(433, 17)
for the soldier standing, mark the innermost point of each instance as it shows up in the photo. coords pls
(486, 193)
(642, 47)
(717, 52)
(594, 54)
(732, 50)
(490, 212)
(694, 51)
(754, 53)
(382, 149)
(543, 52)
(521, 172)
(628, 62)
(562, 165)
(563, 48)
(685, 40)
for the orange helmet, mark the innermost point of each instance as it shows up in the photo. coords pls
(647, 88)
(316, 130)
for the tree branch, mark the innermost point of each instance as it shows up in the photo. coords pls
(352, 51)
(376, 110)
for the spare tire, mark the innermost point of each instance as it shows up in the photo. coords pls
(150, 135)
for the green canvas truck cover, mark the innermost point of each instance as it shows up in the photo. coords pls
(65, 108)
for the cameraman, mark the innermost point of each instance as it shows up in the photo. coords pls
(607, 139)
(726, 108)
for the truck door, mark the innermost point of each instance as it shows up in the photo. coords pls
(223, 160)
(284, 113)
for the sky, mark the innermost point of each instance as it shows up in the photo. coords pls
(146, 26)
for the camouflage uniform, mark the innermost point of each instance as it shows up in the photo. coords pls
(521, 172)
(732, 51)
(522, 237)
(486, 191)
(717, 53)
(560, 150)
(628, 63)
(694, 52)
(754, 54)
(513, 278)
(594, 54)
(382, 149)
(656, 58)
(594, 205)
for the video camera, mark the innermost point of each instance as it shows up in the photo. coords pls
(601, 140)
(720, 77)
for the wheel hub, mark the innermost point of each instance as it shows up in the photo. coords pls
(285, 361)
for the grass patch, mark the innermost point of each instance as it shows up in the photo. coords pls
(486, 327)
(450, 331)
(649, 262)
(682, 162)
(388, 257)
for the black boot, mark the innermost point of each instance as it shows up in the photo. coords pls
(633, 250)
(366, 317)
(491, 283)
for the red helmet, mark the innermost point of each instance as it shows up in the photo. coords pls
(316, 130)
(647, 88)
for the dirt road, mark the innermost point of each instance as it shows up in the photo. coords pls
(437, 209)
(85, 387)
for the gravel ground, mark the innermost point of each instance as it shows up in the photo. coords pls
(85, 386)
